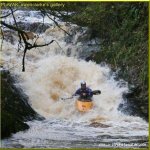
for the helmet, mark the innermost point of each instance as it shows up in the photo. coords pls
(83, 83)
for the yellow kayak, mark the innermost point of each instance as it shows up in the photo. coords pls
(84, 106)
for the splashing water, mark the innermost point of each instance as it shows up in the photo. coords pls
(50, 76)
(59, 76)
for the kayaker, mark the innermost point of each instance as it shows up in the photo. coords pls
(84, 92)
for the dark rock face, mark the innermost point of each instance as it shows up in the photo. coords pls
(134, 103)
(36, 27)
(15, 109)
(11, 124)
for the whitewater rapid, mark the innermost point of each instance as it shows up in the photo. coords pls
(51, 75)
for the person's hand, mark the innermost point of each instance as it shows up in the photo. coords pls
(83, 94)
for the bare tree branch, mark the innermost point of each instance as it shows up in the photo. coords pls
(12, 27)
(21, 32)
(20, 40)
(56, 23)
(23, 37)
(2, 38)
(34, 46)
(28, 48)
(7, 15)
(23, 59)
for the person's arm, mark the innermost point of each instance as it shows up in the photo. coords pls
(90, 93)
(77, 93)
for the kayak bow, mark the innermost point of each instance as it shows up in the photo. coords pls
(84, 106)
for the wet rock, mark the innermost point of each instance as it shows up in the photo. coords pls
(98, 125)
(135, 104)
(9, 36)
(36, 27)
(15, 109)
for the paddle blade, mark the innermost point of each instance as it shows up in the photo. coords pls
(96, 92)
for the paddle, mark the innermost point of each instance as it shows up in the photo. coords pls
(67, 98)
(95, 92)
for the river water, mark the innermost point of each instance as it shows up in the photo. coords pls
(55, 71)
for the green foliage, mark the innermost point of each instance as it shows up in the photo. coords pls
(123, 31)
